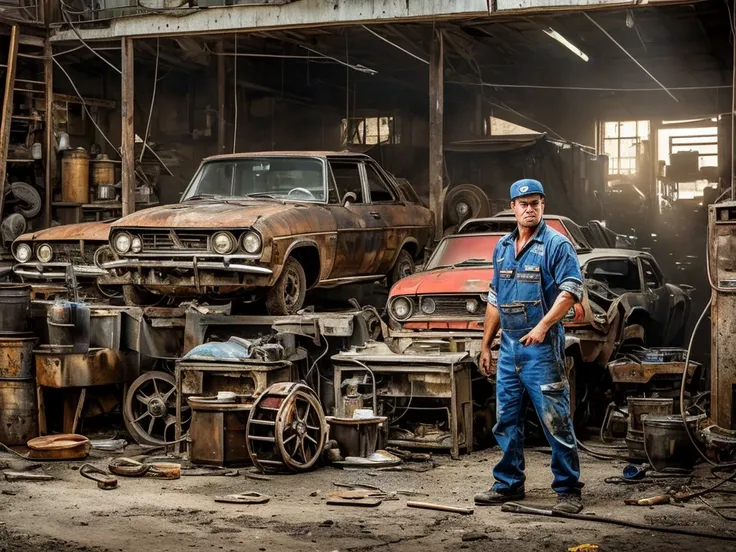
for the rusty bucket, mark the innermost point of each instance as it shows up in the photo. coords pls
(18, 411)
(16, 357)
(638, 407)
(15, 309)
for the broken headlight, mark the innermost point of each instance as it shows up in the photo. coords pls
(402, 308)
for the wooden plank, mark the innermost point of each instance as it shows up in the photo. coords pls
(436, 114)
(220, 98)
(128, 131)
(48, 69)
(7, 112)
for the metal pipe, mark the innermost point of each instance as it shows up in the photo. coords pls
(630, 56)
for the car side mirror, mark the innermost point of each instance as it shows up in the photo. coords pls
(348, 198)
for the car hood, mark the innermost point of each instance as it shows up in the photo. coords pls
(467, 280)
(206, 214)
(88, 231)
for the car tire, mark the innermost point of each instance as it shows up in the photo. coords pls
(403, 267)
(287, 294)
(134, 296)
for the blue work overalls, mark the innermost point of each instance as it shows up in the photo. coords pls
(524, 288)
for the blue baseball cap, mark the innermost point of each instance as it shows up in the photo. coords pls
(525, 187)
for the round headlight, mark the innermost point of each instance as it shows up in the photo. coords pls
(136, 245)
(428, 305)
(223, 243)
(252, 242)
(401, 308)
(23, 253)
(122, 243)
(44, 253)
(472, 306)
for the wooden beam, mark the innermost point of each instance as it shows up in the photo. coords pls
(220, 97)
(436, 114)
(128, 131)
(48, 69)
(7, 113)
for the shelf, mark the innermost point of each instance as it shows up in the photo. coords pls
(27, 118)
(20, 160)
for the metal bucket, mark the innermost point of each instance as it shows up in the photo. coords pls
(75, 176)
(16, 357)
(638, 407)
(18, 411)
(69, 324)
(667, 444)
(15, 309)
(103, 171)
(356, 437)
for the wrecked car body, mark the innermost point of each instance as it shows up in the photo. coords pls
(273, 225)
(50, 256)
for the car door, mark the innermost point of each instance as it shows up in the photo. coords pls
(659, 298)
(359, 228)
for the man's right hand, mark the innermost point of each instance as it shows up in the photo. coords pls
(486, 367)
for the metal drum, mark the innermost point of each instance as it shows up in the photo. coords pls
(75, 176)
(18, 411)
(16, 357)
(638, 407)
(15, 309)
(103, 171)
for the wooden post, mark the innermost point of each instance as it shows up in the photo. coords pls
(220, 98)
(7, 113)
(127, 141)
(48, 69)
(436, 114)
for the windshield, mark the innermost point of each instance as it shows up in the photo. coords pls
(464, 250)
(293, 178)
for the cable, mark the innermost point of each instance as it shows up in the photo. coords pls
(153, 99)
(235, 93)
(84, 104)
(395, 45)
(589, 88)
(73, 28)
(327, 347)
(408, 406)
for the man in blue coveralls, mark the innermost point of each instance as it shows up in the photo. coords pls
(536, 280)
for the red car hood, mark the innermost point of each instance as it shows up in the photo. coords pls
(446, 280)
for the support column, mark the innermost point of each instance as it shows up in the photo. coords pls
(48, 69)
(127, 149)
(220, 98)
(7, 113)
(436, 114)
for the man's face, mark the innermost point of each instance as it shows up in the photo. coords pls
(528, 210)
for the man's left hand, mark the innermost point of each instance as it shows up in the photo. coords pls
(535, 336)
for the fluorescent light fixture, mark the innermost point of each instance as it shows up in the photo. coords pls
(566, 43)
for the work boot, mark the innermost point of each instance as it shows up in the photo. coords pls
(492, 496)
(568, 503)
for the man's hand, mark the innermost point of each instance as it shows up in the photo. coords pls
(535, 336)
(486, 363)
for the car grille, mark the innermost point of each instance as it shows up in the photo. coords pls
(71, 252)
(162, 240)
(451, 307)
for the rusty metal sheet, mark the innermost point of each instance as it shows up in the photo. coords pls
(87, 231)
(630, 371)
(97, 367)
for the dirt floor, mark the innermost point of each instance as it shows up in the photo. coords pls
(72, 514)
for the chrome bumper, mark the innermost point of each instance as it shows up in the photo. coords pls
(186, 264)
(57, 271)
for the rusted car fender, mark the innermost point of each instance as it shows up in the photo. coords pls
(325, 254)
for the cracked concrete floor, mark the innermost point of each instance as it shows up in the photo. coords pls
(71, 514)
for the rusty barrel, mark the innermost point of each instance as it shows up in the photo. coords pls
(16, 357)
(103, 171)
(15, 309)
(18, 411)
(638, 407)
(75, 176)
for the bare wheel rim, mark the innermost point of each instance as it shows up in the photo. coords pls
(292, 288)
(299, 430)
(150, 408)
(405, 269)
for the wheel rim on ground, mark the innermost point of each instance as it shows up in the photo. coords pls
(286, 430)
(150, 409)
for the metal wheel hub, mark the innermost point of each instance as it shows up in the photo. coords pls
(157, 407)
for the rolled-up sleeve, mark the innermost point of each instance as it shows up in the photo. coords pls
(566, 270)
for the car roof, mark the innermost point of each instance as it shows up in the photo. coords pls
(306, 153)
(613, 253)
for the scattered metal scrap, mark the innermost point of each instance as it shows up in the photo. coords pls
(441, 508)
(104, 481)
(25, 476)
(249, 497)
(128, 467)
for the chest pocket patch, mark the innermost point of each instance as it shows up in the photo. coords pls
(506, 274)
(529, 276)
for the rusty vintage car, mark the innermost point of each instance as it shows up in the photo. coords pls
(272, 225)
(46, 257)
